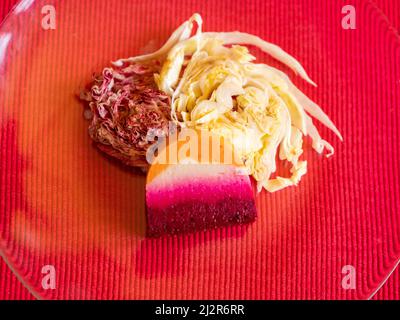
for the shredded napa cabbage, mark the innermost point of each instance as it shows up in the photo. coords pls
(215, 84)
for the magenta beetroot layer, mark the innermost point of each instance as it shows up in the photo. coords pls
(186, 198)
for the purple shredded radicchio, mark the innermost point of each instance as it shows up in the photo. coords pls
(125, 105)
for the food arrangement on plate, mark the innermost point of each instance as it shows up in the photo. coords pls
(201, 118)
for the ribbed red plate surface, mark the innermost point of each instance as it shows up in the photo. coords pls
(65, 204)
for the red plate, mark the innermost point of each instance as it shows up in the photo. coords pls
(66, 205)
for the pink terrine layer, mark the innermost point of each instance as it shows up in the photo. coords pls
(199, 189)
(198, 203)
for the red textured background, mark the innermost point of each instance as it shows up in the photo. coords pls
(11, 288)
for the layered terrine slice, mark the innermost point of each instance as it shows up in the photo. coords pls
(190, 196)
